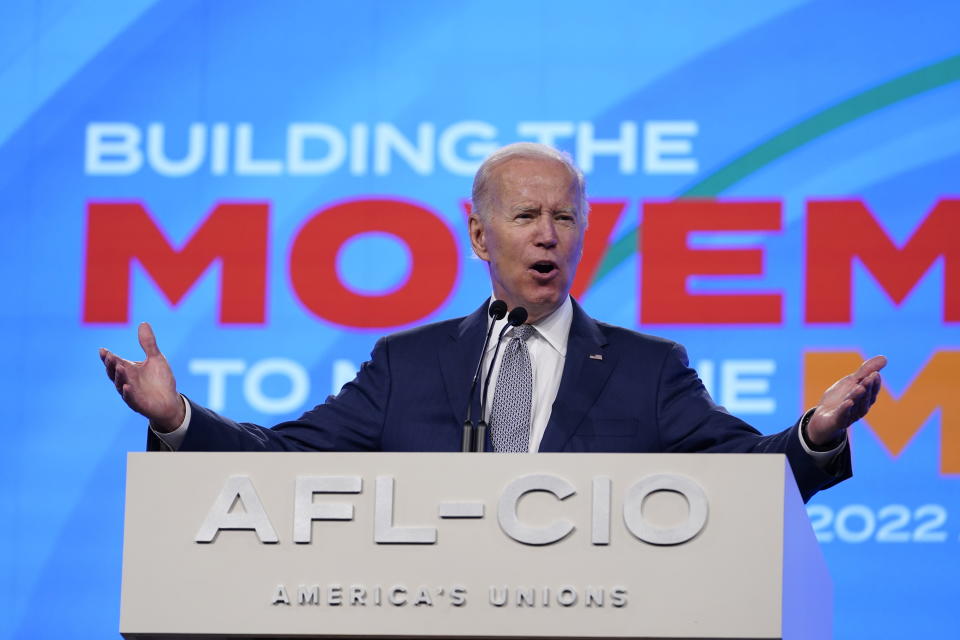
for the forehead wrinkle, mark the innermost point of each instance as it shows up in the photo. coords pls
(501, 178)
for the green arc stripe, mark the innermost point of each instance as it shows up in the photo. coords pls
(883, 95)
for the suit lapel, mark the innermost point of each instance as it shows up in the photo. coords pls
(585, 371)
(458, 356)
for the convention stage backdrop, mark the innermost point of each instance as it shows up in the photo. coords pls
(274, 185)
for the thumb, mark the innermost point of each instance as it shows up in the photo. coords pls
(147, 340)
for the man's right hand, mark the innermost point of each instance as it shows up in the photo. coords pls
(148, 387)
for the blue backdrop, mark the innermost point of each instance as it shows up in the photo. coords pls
(841, 117)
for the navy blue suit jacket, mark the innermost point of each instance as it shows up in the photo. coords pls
(640, 395)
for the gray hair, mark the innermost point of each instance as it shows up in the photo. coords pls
(481, 181)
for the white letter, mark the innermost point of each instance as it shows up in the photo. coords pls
(244, 162)
(218, 369)
(158, 159)
(398, 595)
(387, 138)
(335, 595)
(280, 595)
(618, 596)
(736, 384)
(567, 596)
(219, 148)
(526, 597)
(102, 142)
(423, 597)
(298, 165)
(305, 510)
(476, 150)
(639, 527)
(545, 132)
(359, 137)
(625, 146)
(358, 595)
(594, 597)
(600, 532)
(657, 145)
(299, 385)
(507, 509)
(383, 530)
(308, 594)
(252, 517)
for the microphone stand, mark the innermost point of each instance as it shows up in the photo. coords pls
(498, 309)
(516, 317)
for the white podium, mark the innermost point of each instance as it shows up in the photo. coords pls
(381, 545)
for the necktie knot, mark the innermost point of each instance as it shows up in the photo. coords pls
(523, 332)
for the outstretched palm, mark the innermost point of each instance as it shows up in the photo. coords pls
(846, 401)
(148, 387)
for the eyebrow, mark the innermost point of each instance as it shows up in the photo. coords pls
(525, 207)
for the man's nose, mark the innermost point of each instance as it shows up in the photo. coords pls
(546, 232)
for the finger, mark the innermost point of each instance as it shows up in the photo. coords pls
(111, 361)
(103, 355)
(875, 390)
(846, 411)
(870, 397)
(119, 377)
(858, 390)
(863, 399)
(869, 366)
(110, 364)
(148, 342)
(861, 407)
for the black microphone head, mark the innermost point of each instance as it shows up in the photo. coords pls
(498, 309)
(518, 315)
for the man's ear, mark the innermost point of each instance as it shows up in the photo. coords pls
(478, 237)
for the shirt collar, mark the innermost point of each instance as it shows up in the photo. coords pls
(554, 328)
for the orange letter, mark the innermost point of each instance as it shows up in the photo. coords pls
(896, 421)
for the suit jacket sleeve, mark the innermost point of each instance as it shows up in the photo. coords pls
(689, 421)
(352, 420)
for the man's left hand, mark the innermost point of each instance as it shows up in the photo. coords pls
(845, 402)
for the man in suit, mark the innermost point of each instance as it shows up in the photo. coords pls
(562, 382)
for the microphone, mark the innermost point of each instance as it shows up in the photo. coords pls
(517, 316)
(497, 310)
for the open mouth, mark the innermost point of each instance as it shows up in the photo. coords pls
(545, 267)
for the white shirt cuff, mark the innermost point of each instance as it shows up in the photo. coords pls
(175, 438)
(821, 458)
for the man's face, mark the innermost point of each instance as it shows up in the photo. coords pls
(531, 233)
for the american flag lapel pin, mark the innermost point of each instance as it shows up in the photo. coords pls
(596, 356)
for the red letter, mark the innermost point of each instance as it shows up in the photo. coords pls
(433, 269)
(603, 218)
(118, 232)
(839, 230)
(668, 262)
